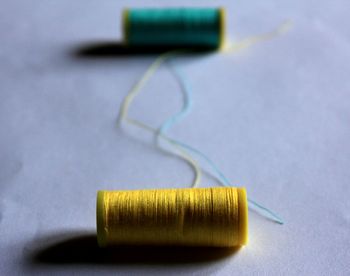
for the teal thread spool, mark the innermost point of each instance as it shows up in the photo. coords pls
(174, 28)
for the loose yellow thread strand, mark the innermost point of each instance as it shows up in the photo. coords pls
(179, 151)
(136, 89)
(184, 217)
(183, 153)
(123, 115)
(250, 41)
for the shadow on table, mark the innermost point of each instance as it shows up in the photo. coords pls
(80, 249)
(115, 49)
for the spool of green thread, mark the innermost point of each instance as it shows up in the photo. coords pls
(174, 27)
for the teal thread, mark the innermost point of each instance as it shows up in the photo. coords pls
(179, 27)
(185, 110)
(181, 148)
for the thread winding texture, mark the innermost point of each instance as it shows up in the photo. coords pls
(186, 217)
(174, 27)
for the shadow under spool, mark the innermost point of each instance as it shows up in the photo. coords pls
(188, 28)
(216, 217)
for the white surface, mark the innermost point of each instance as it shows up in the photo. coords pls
(275, 118)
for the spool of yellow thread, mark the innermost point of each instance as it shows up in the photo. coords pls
(184, 217)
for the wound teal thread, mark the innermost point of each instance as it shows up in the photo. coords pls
(185, 110)
(174, 27)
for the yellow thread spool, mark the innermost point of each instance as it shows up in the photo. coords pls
(185, 217)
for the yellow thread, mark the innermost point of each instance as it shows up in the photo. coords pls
(185, 217)
(250, 41)
(225, 46)
(124, 109)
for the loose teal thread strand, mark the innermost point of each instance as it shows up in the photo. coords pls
(187, 99)
(135, 90)
(224, 180)
(186, 108)
(273, 215)
(187, 105)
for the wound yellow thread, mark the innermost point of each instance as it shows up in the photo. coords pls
(185, 217)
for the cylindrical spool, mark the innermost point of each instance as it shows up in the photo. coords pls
(185, 217)
(174, 27)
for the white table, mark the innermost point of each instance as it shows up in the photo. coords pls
(274, 117)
